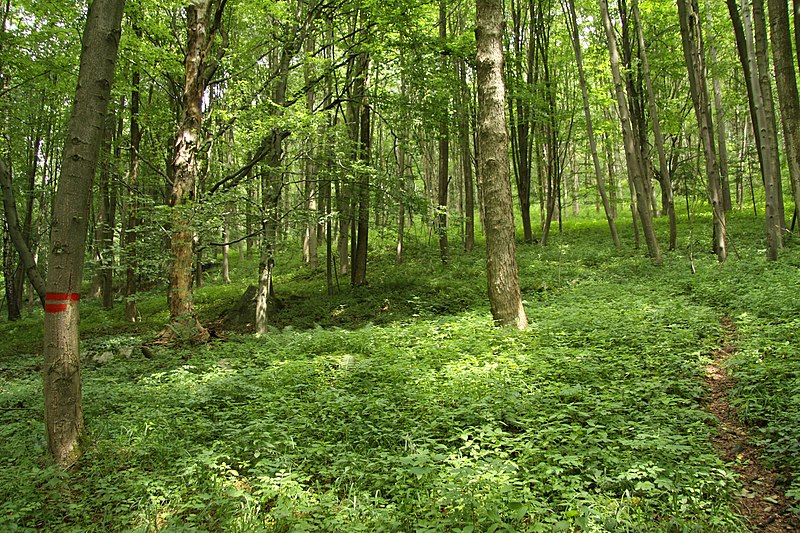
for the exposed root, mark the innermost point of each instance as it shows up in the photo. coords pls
(761, 502)
(185, 329)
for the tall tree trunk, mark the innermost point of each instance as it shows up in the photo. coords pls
(16, 234)
(183, 321)
(764, 112)
(104, 230)
(444, 146)
(12, 301)
(310, 175)
(359, 267)
(572, 22)
(132, 215)
(520, 113)
(692, 39)
(722, 138)
(632, 152)
(658, 135)
(786, 82)
(61, 368)
(765, 80)
(501, 262)
(465, 141)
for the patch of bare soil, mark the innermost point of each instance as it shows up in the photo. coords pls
(762, 502)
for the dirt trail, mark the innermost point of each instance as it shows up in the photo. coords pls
(762, 502)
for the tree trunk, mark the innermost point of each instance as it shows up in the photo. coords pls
(444, 146)
(786, 82)
(765, 80)
(400, 155)
(658, 135)
(764, 112)
(632, 152)
(132, 215)
(310, 178)
(692, 39)
(465, 140)
(501, 262)
(359, 267)
(16, 235)
(572, 22)
(183, 321)
(14, 309)
(520, 115)
(104, 230)
(722, 139)
(61, 368)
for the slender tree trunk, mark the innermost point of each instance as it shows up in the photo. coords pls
(572, 21)
(722, 139)
(359, 267)
(103, 223)
(61, 368)
(786, 82)
(465, 139)
(520, 113)
(444, 147)
(501, 262)
(632, 153)
(16, 235)
(400, 154)
(12, 301)
(764, 112)
(310, 177)
(658, 135)
(692, 39)
(132, 215)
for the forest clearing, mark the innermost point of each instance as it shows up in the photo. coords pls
(399, 407)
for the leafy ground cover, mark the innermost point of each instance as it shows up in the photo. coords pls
(400, 408)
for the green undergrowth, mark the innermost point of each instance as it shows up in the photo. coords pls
(762, 299)
(399, 407)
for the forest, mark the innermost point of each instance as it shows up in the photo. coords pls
(409, 265)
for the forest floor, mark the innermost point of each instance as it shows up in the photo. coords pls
(761, 501)
(399, 407)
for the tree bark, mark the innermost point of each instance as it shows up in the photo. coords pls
(786, 82)
(764, 112)
(722, 138)
(359, 267)
(692, 39)
(632, 152)
(16, 235)
(465, 140)
(493, 171)
(132, 215)
(444, 146)
(61, 369)
(184, 324)
(520, 114)
(658, 135)
(572, 22)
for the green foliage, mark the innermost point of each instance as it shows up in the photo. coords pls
(415, 413)
(761, 297)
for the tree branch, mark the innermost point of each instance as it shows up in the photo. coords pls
(10, 208)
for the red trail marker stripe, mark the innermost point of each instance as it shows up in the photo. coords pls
(56, 302)
(62, 296)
